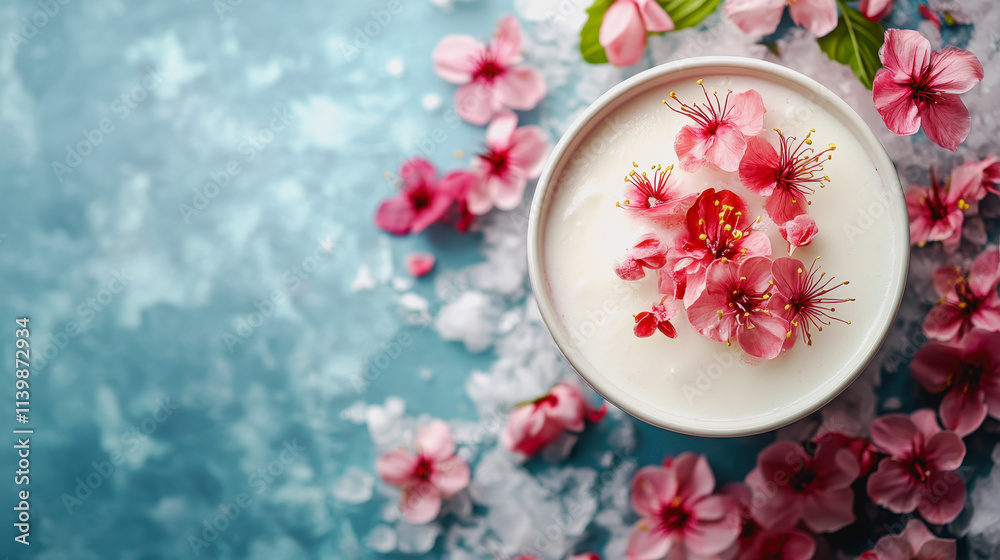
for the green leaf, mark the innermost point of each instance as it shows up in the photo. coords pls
(590, 46)
(855, 42)
(688, 13)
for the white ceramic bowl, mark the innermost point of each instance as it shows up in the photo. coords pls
(604, 382)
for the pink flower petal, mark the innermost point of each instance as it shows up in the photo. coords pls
(629, 269)
(431, 213)
(963, 413)
(450, 476)
(691, 146)
(758, 168)
(500, 132)
(395, 467)
(946, 121)
(892, 487)
(568, 409)
(875, 10)
(395, 215)
(945, 498)
(507, 194)
(894, 102)
(945, 451)
(942, 323)
(529, 148)
(419, 264)
(756, 17)
(829, 510)
(654, 18)
(474, 102)
(434, 441)
(518, 427)
(894, 434)
(623, 34)
(933, 364)
(926, 422)
(694, 475)
(645, 324)
(455, 58)
(704, 317)
(955, 70)
(521, 88)
(421, 504)
(818, 16)
(727, 149)
(799, 231)
(507, 41)
(766, 337)
(708, 539)
(985, 273)
(905, 52)
(746, 112)
(652, 488)
(645, 543)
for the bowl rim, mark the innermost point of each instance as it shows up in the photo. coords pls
(591, 375)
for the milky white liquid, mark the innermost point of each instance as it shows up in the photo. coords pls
(692, 380)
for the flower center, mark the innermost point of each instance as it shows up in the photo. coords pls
(549, 399)
(424, 469)
(917, 467)
(652, 192)
(710, 115)
(968, 379)
(800, 165)
(722, 237)
(801, 480)
(674, 517)
(487, 67)
(420, 197)
(499, 161)
(922, 92)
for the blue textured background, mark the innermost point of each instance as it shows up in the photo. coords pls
(195, 278)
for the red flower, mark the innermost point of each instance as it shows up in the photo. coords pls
(800, 297)
(656, 197)
(918, 88)
(422, 201)
(790, 485)
(968, 373)
(919, 473)
(968, 300)
(680, 515)
(648, 322)
(721, 129)
(786, 177)
(492, 77)
(798, 232)
(938, 212)
(734, 305)
(717, 228)
(419, 264)
(538, 423)
(648, 252)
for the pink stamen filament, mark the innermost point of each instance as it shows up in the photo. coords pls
(809, 307)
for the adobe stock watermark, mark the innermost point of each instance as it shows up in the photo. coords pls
(130, 441)
(33, 24)
(257, 482)
(86, 312)
(122, 106)
(365, 33)
(265, 308)
(225, 7)
(250, 148)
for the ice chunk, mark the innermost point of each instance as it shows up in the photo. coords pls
(395, 67)
(381, 539)
(354, 487)
(432, 102)
(416, 539)
(364, 279)
(984, 528)
(471, 319)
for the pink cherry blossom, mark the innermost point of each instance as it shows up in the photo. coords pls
(538, 423)
(968, 299)
(801, 297)
(419, 264)
(722, 127)
(790, 485)
(937, 213)
(734, 305)
(757, 543)
(785, 178)
(798, 232)
(875, 10)
(624, 27)
(658, 319)
(513, 156)
(918, 88)
(968, 373)
(919, 472)
(492, 77)
(680, 516)
(916, 542)
(761, 17)
(648, 252)
(433, 473)
(718, 227)
(860, 448)
(587, 556)
(422, 201)
(656, 197)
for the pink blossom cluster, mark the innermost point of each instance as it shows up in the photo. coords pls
(713, 259)
(493, 80)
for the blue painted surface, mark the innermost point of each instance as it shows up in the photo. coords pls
(185, 89)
